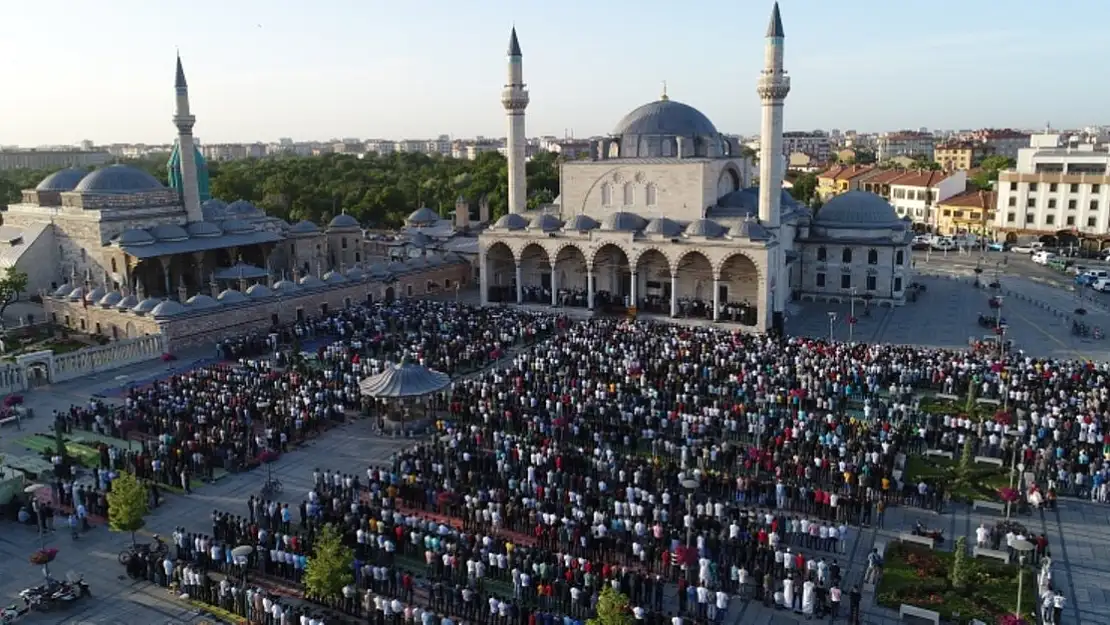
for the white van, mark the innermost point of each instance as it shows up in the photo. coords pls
(943, 244)
(1043, 258)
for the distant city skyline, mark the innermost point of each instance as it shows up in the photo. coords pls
(259, 71)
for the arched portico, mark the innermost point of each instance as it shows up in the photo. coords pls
(610, 277)
(696, 288)
(569, 276)
(535, 274)
(500, 274)
(655, 283)
(741, 294)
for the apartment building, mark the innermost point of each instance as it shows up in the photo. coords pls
(233, 151)
(907, 143)
(49, 159)
(1055, 188)
(842, 178)
(915, 194)
(816, 144)
(1003, 142)
(963, 155)
(970, 212)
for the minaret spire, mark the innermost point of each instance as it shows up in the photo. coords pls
(773, 87)
(184, 120)
(514, 97)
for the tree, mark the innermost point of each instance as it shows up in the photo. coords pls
(961, 571)
(329, 568)
(612, 608)
(12, 285)
(988, 170)
(966, 458)
(804, 188)
(127, 505)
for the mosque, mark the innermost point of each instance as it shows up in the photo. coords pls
(117, 253)
(664, 218)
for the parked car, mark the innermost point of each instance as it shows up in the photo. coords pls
(1043, 258)
(943, 244)
(1101, 285)
(998, 246)
(1091, 276)
(1028, 248)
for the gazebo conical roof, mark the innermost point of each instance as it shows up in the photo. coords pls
(404, 380)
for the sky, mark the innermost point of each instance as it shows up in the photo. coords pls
(263, 69)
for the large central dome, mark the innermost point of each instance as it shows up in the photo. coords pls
(667, 129)
(666, 117)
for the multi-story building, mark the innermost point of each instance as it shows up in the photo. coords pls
(233, 151)
(961, 154)
(52, 159)
(1003, 142)
(908, 143)
(1055, 188)
(410, 146)
(379, 146)
(915, 194)
(815, 144)
(841, 179)
(970, 212)
(440, 145)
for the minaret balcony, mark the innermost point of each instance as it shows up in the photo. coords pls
(773, 86)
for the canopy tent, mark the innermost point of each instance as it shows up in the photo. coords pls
(404, 380)
(241, 271)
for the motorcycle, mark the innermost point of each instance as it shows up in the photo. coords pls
(51, 593)
(1080, 329)
(990, 321)
(936, 535)
(158, 546)
(11, 613)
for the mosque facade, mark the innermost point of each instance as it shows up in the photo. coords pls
(667, 216)
(117, 253)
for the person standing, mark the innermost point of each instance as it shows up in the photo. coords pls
(1057, 607)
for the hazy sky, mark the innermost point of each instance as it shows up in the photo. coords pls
(263, 69)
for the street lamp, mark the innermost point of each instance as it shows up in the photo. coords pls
(40, 521)
(1012, 433)
(832, 320)
(851, 313)
(690, 486)
(1023, 547)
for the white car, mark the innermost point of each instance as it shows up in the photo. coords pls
(1043, 258)
(943, 244)
(1101, 285)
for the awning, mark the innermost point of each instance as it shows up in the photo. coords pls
(404, 380)
(241, 271)
(200, 244)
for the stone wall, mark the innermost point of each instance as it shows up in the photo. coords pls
(106, 357)
(208, 326)
(12, 379)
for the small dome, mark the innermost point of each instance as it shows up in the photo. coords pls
(111, 298)
(334, 277)
(546, 223)
(62, 180)
(396, 267)
(581, 223)
(242, 208)
(511, 221)
(127, 303)
(858, 209)
(423, 216)
(76, 294)
(258, 291)
(169, 232)
(214, 210)
(94, 295)
(146, 306)
(434, 259)
(118, 179)
(664, 226)
(704, 228)
(749, 229)
(167, 308)
(135, 237)
(419, 239)
(200, 301)
(622, 221)
(379, 270)
(64, 290)
(310, 282)
(304, 227)
(666, 117)
(284, 286)
(231, 296)
(343, 220)
(236, 226)
(354, 273)
(202, 229)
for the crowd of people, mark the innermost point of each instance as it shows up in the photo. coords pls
(623, 453)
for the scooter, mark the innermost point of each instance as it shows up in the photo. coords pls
(9, 614)
(936, 535)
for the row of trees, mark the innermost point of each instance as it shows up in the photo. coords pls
(376, 190)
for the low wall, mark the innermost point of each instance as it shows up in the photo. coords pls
(12, 379)
(46, 367)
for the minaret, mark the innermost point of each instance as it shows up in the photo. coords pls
(772, 89)
(514, 97)
(184, 121)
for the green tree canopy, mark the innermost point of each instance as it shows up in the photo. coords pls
(13, 283)
(988, 170)
(805, 187)
(329, 568)
(127, 505)
(612, 608)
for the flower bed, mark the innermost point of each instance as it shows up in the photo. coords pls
(920, 577)
(983, 482)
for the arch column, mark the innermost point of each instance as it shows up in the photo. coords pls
(519, 282)
(554, 284)
(590, 287)
(674, 293)
(483, 277)
(632, 290)
(716, 296)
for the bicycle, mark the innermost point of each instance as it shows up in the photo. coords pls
(271, 486)
(157, 547)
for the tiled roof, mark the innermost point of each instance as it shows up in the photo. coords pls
(888, 176)
(845, 172)
(972, 199)
(922, 178)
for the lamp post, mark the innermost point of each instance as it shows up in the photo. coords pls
(1012, 434)
(851, 313)
(690, 486)
(40, 521)
(832, 320)
(1023, 547)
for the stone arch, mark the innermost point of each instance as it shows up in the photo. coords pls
(389, 295)
(563, 245)
(722, 263)
(741, 280)
(499, 272)
(694, 270)
(129, 330)
(569, 264)
(730, 180)
(535, 272)
(639, 254)
(612, 272)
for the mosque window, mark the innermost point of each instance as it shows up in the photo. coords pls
(358, 257)
(820, 280)
(114, 266)
(822, 254)
(846, 281)
(629, 194)
(606, 194)
(83, 254)
(649, 194)
(846, 255)
(343, 242)
(897, 284)
(872, 283)
(900, 257)
(872, 257)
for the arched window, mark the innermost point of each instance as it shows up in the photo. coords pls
(846, 255)
(822, 254)
(649, 194)
(606, 194)
(114, 266)
(629, 194)
(900, 257)
(872, 257)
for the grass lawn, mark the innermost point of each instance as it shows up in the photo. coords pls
(918, 576)
(39, 443)
(983, 480)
